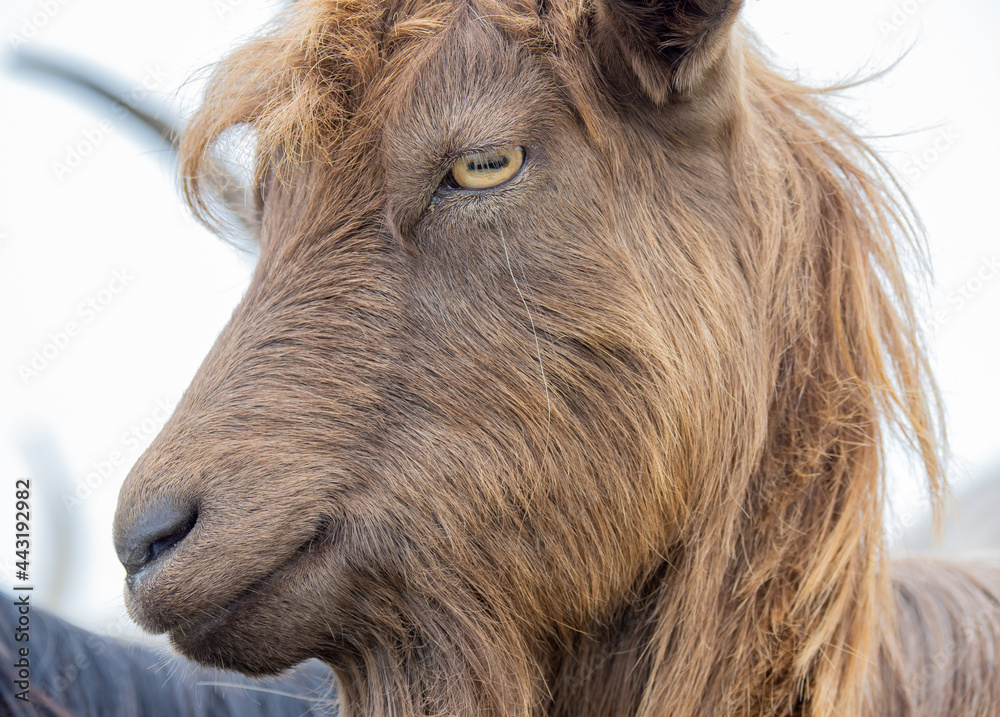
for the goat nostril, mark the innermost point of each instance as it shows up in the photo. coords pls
(158, 547)
(153, 534)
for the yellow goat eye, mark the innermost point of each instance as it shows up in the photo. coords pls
(483, 170)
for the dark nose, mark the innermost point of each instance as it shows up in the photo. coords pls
(155, 532)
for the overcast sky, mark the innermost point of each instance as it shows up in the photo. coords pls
(92, 234)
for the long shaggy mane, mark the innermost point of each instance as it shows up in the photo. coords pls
(780, 556)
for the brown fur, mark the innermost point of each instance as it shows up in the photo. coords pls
(605, 440)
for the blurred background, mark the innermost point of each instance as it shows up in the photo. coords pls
(110, 294)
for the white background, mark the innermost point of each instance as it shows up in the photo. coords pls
(64, 234)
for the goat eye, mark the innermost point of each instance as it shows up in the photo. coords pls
(483, 170)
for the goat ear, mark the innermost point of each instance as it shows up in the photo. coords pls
(667, 45)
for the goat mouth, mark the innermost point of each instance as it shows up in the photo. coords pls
(197, 630)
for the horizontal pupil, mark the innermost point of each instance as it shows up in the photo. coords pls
(489, 164)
